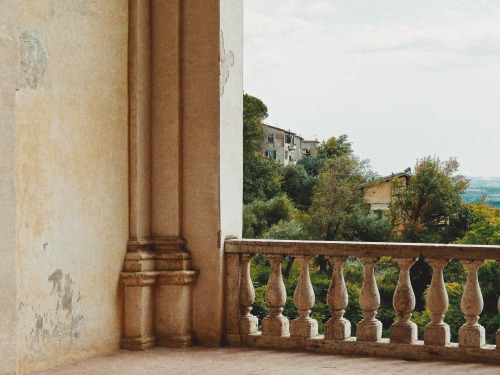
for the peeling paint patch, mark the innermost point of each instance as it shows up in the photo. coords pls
(226, 61)
(60, 327)
(34, 59)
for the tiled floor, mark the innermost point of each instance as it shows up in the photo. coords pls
(200, 360)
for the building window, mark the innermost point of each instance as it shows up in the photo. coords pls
(271, 154)
(270, 138)
(288, 138)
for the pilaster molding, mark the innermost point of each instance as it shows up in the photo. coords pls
(177, 277)
(131, 279)
(170, 254)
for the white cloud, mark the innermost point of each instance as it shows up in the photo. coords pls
(401, 88)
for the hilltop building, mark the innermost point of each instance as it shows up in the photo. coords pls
(286, 147)
(379, 193)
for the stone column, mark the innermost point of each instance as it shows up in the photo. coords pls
(337, 327)
(370, 328)
(437, 331)
(303, 298)
(472, 334)
(275, 324)
(404, 331)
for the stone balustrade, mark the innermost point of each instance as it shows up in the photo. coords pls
(302, 332)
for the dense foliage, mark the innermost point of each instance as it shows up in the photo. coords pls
(320, 199)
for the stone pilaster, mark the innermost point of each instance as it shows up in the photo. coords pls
(139, 310)
(174, 315)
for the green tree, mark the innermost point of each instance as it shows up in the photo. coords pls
(485, 230)
(430, 208)
(261, 176)
(334, 147)
(311, 164)
(298, 185)
(260, 215)
(337, 196)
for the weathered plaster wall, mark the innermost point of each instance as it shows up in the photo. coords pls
(9, 58)
(71, 175)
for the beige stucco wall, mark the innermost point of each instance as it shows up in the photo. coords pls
(71, 175)
(379, 193)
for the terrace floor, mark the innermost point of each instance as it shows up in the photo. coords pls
(201, 360)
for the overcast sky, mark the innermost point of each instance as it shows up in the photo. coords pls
(402, 78)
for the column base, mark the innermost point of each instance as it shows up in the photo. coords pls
(471, 336)
(404, 333)
(275, 326)
(175, 341)
(303, 327)
(437, 334)
(337, 330)
(138, 343)
(369, 331)
(249, 325)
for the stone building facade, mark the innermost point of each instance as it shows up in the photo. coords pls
(285, 146)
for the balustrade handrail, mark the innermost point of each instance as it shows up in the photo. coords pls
(363, 249)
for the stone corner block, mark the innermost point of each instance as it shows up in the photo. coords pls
(471, 337)
(437, 335)
(175, 341)
(275, 326)
(337, 330)
(369, 331)
(138, 343)
(404, 333)
(249, 325)
(303, 327)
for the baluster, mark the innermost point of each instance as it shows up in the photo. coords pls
(303, 298)
(472, 334)
(275, 324)
(337, 328)
(437, 331)
(404, 331)
(369, 328)
(248, 323)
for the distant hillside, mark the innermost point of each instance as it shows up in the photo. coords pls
(483, 185)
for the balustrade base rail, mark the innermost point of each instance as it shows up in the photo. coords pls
(381, 348)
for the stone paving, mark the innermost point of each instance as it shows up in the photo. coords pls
(235, 361)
